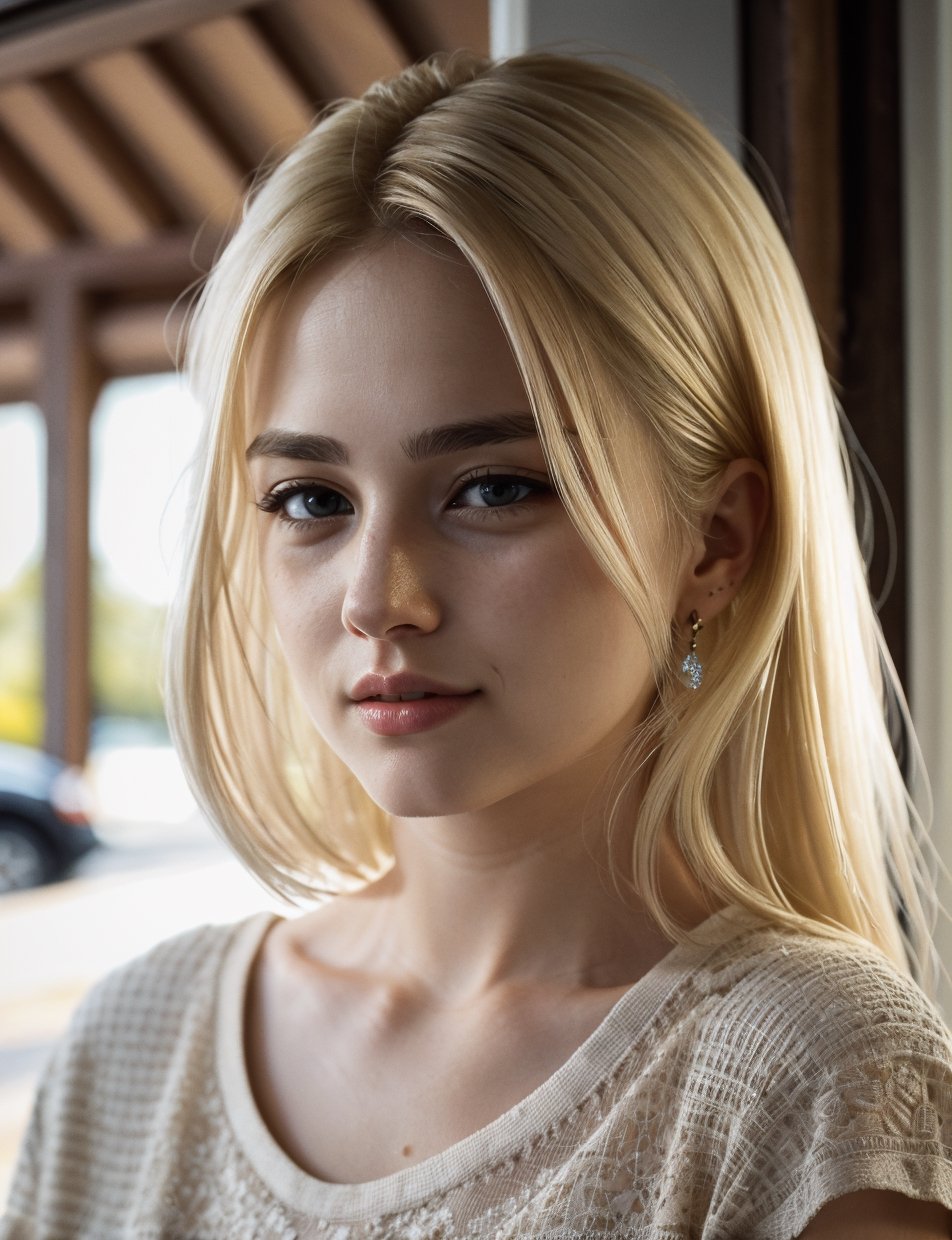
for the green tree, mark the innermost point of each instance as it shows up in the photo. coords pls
(21, 700)
(125, 664)
(127, 634)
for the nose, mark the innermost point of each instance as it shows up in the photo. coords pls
(387, 596)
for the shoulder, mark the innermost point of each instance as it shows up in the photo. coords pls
(152, 993)
(131, 1026)
(128, 1088)
(789, 994)
(778, 1026)
(838, 1071)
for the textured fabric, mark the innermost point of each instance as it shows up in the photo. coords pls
(750, 1077)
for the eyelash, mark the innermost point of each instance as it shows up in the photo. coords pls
(274, 500)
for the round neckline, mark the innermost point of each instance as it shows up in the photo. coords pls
(549, 1102)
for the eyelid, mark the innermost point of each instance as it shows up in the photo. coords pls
(272, 501)
(500, 471)
(273, 498)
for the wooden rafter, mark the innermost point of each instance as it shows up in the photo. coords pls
(92, 177)
(170, 259)
(138, 338)
(51, 47)
(32, 218)
(19, 362)
(347, 44)
(424, 25)
(25, 227)
(177, 147)
(126, 332)
(243, 84)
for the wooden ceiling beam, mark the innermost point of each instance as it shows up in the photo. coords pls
(172, 260)
(349, 42)
(240, 80)
(28, 225)
(138, 339)
(177, 147)
(19, 362)
(59, 45)
(32, 219)
(426, 26)
(22, 228)
(134, 339)
(87, 172)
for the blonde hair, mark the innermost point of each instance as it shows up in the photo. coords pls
(650, 301)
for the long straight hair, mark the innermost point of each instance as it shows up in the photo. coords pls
(654, 312)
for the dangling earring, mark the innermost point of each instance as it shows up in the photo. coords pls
(692, 670)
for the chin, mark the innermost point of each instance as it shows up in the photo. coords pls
(419, 803)
(419, 793)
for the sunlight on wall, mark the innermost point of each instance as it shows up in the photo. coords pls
(144, 434)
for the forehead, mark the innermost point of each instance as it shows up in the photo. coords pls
(402, 327)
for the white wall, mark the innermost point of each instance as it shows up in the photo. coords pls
(689, 47)
(926, 49)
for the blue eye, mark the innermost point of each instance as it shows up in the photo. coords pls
(313, 502)
(497, 490)
(298, 504)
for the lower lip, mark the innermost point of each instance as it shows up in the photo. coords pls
(400, 718)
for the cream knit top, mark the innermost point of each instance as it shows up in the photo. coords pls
(749, 1077)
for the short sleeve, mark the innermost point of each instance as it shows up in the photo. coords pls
(115, 1094)
(19, 1217)
(857, 1094)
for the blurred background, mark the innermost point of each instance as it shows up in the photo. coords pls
(128, 135)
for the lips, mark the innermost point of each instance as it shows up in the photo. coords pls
(374, 685)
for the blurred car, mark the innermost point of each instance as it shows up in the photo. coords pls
(44, 817)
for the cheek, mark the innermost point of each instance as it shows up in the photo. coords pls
(575, 588)
(568, 625)
(609, 656)
(302, 605)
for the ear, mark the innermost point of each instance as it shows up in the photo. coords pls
(727, 542)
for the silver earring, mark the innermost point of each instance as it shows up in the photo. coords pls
(692, 670)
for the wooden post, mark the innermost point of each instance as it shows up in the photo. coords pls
(872, 348)
(821, 110)
(68, 386)
(791, 118)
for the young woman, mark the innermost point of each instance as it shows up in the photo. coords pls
(527, 626)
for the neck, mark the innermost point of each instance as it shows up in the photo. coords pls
(515, 892)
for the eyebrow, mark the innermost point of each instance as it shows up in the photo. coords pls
(420, 446)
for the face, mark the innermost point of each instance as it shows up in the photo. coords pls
(407, 527)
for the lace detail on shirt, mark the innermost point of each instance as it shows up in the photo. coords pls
(218, 1193)
(782, 1073)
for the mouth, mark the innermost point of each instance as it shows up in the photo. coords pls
(400, 714)
(403, 686)
(401, 697)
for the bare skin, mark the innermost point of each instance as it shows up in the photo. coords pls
(388, 1025)
(361, 1067)
(879, 1215)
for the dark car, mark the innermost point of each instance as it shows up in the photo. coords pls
(44, 824)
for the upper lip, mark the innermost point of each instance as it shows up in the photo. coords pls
(373, 685)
